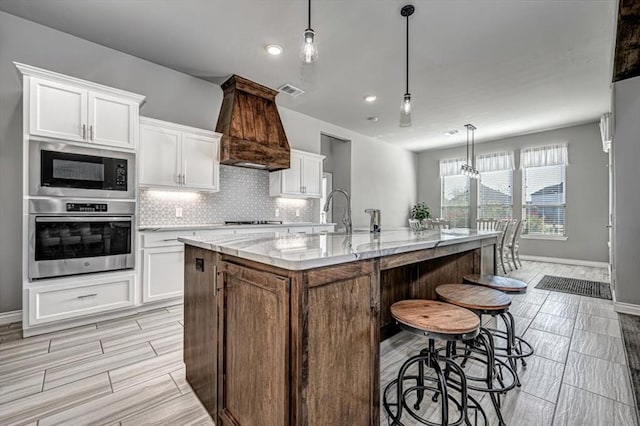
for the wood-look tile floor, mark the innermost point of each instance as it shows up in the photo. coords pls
(129, 371)
(578, 374)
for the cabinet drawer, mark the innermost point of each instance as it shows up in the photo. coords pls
(71, 300)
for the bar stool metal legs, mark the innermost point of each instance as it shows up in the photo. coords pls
(441, 384)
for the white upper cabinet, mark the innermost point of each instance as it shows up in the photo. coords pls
(176, 156)
(302, 180)
(159, 156)
(57, 110)
(112, 120)
(71, 109)
(292, 182)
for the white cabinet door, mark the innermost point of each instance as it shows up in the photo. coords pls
(199, 162)
(163, 274)
(57, 110)
(112, 120)
(312, 176)
(160, 162)
(292, 177)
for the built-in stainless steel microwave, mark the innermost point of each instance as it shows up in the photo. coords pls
(66, 170)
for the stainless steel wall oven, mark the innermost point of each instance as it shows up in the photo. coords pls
(70, 237)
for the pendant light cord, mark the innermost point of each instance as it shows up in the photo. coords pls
(467, 144)
(309, 12)
(473, 149)
(407, 91)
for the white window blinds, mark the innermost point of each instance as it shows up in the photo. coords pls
(550, 155)
(451, 167)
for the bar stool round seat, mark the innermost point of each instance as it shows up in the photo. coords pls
(496, 282)
(482, 301)
(433, 318)
(516, 347)
(479, 299)
(403, 397)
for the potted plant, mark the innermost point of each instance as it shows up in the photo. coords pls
(421, 213)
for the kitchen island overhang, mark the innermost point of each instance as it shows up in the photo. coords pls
(287, 327)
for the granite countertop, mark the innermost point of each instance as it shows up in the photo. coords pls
(305, 251)
(214, 226)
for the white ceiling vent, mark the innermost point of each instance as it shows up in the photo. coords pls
(290, 90)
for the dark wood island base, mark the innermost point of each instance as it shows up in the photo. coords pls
(265, 345)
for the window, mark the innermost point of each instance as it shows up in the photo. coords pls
(495, 195)
(495, 186)
(455, 200)
(544, 191)
(454, 197)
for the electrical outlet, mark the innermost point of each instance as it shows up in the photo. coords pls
(297, 212)
(178, 211)
(277, 212)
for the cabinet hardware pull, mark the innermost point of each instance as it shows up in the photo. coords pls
(184, 178)
(170, 239)
(87, 295)
(91, 132)
(84, 131)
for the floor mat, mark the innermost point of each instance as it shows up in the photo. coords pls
(597, 289)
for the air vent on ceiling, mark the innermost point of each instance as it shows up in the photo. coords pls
(290, 90)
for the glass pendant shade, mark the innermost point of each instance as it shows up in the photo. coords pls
(309, 51)
(405, 111)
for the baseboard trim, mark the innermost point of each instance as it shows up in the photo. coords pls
(576, 262)
(10, 317)
(626, 308)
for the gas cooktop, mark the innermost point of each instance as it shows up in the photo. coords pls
(253, 222)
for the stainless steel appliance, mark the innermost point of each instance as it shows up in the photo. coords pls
(70, 237)
(66, 170)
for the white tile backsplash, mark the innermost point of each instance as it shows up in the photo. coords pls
(244, 195)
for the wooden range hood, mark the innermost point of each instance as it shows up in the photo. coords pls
(252, 133)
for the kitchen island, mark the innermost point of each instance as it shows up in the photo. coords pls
(285, 329)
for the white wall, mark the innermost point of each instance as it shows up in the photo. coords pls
(626, 166)
(587, 189)
(383, 176)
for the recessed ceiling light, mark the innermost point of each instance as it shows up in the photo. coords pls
(370, 98)
(451, 132)
(273, 49)
(373, 119)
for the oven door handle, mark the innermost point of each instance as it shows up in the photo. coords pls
(50, 219)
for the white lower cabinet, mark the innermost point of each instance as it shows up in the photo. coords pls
(73, 297)
(163, 274)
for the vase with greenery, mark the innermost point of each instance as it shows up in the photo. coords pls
(420, 211)
(420, 214)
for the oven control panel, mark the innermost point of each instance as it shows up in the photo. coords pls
(87, 207)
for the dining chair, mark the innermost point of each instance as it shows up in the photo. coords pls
(502, 227)
(440, 223)
(508, 242)
(513, 246)
(486, 224)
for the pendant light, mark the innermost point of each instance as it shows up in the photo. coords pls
(469, 168)
(405, 107)
(309, 51)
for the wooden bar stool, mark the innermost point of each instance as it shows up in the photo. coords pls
(517, 347)
(433, 320)
(482, 301)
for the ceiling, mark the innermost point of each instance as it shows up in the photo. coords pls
(507, 66)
